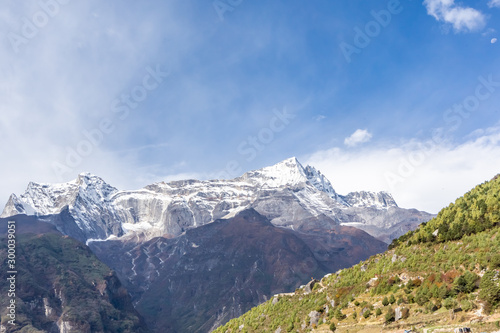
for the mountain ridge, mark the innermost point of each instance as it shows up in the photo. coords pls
(161, 233)
(101, 211)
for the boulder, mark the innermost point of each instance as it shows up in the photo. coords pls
(399, 314)
(309, 287)
(314, 317)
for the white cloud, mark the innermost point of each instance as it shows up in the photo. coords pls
(494, 40)
(359, 136)
(418, 174)
(461, 18)
(61, 82)
(488, 31)
(494, 3)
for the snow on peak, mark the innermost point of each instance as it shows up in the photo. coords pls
(46, 199)
(13, 207)
(290, 172)
(285, 173)
(318, 180)
(100, 210)
(94, 186)
(366, 199)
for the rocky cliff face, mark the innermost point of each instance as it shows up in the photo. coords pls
(61, 286)
(195, 282)
(287, 193)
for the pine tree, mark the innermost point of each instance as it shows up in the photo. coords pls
(490, 288)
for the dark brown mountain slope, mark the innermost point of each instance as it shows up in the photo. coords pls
(60, 285)
(213, 273)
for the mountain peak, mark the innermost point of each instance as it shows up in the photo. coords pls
(284, 173)
(87, 180)
(46, 199)
(13, 207)
(290, 162)
(367, 199)
(291, 172)
(87, 175)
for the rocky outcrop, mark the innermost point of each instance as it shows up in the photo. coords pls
(62, 286)
(314, 317)
(310, 286)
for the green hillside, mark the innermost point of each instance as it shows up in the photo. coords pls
(443, 275)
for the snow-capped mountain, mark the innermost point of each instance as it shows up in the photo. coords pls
(287, 193)
(88, 199)
(194, 254)
(291, 173)
(363, 199)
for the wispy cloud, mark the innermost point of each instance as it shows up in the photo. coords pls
(494, 3)
(463, 19)
(226, 78)
(419, 174)
(358, 137)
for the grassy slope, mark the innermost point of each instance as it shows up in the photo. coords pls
(449, 278)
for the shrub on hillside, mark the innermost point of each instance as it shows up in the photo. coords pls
(390, 316)
(490, 288)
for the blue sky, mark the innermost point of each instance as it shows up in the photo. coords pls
(138, 92)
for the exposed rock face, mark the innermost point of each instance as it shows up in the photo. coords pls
(370, 199)
(62, 286)
(65, 327)
(398, 314)
(86, 201)
(287, 193)
(195, 282)
(310, 286)
(314, 317)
